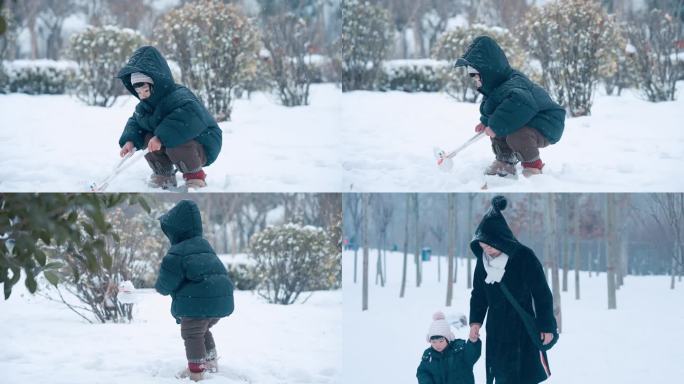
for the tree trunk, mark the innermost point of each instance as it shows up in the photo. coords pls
(576, 223)
(452, 246)
(364, 305)
(378, 268)
(406, 236)
(565, 240)
(673, 268)
(419, 262)
(552, 256)
(610, 250)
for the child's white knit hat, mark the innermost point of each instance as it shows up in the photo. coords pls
(440, 327)
(471, 69)
(139, 77)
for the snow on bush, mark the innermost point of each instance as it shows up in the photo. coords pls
(291, 259)
(413, 75)
(38, 77)
(216, 47)
(453, 45)
(100, 53)
(656, 39)
(367, 36)
(572, 40)
(287, 38)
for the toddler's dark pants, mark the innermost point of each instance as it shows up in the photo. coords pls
(198, 339)
(189, 157)
(521, 145)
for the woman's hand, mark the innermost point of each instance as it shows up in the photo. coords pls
(474, 332)
(546, 337)
(154, 144)
(479, 128)
(489, 132)
(128, 147)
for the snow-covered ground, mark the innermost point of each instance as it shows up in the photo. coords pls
(627, 144)
(58, 144)
(43, 342)
(640, 342)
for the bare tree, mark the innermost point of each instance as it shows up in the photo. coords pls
(655, 38)
(418, 237)
(288, 39)
(383, 217)
(576, 227)
(364, 305)
(353, 206)
(551, 255)
(28, 12)
(668, 212)
(451, 235)
(610, 240)
(565, 239)
(54, 13)
(406, 238)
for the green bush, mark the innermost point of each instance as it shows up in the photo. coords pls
(291, 259)
(366, 40)
(216, 47)
(100, 53)
(39, 77)
(574, 41)
(413, 75)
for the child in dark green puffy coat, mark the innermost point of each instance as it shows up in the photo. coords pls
(199, 286)
(169, 120)
(448, 360)
(517, 114)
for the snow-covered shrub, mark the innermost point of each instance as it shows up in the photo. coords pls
(40, 77)
(571, 39)
(413, 75)
(453, 45)
(287, 39)
(8, 38)
(243, 277)
(655, 37)
(100, 53)
(323, 69)
(367, 36)
(216, 47)
(616, 71)
(292, 258)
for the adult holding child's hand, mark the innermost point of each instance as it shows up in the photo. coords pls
(510, 288)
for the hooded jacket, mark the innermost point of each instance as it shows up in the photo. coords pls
(191, 272)
(510, 353)
(454, 365)
(511, 100)
(172, 113)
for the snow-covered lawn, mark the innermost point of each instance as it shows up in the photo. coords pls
(640, 342)
(58, 144)
(627, 144)
(43, 342)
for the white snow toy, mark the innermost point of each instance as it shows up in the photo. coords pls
(445, 160)
(122, 165)
(127, 293)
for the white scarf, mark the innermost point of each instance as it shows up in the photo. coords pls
(495, 267)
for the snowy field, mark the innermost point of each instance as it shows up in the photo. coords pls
(626, 145)
(640, 342)
(44, 342)
(58, 144)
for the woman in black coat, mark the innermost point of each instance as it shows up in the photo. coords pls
(511, 355)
